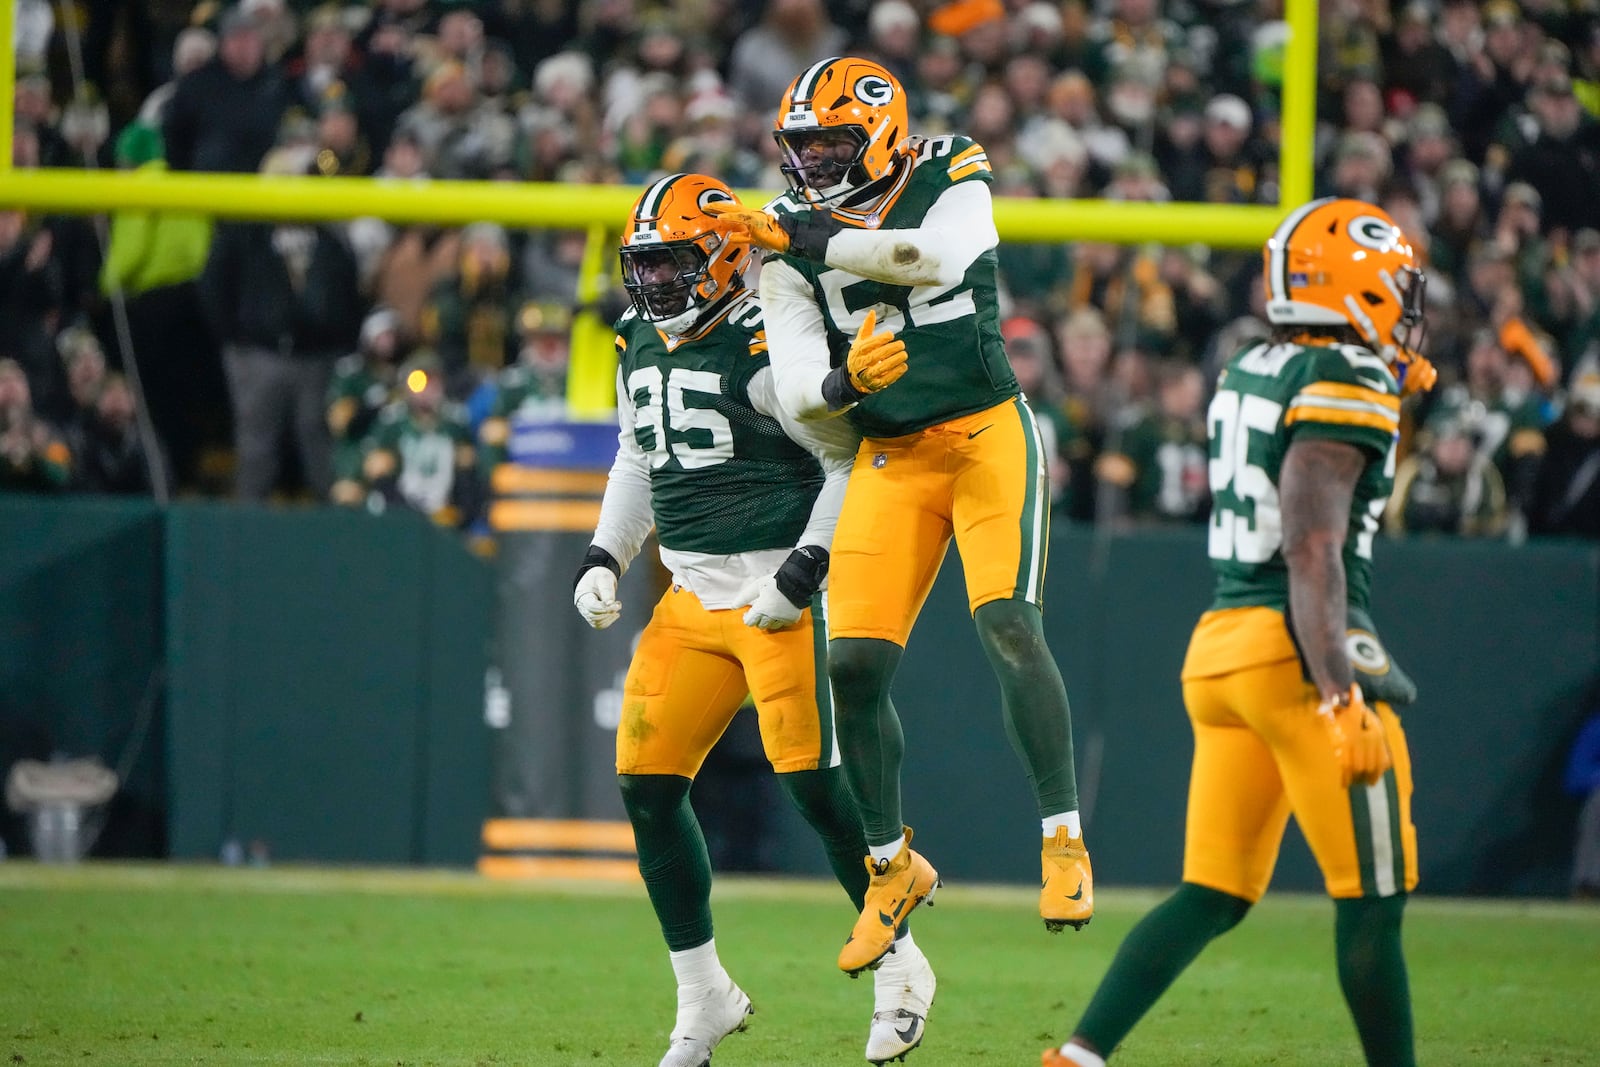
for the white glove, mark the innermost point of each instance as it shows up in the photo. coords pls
(771, 610)
(596, 597)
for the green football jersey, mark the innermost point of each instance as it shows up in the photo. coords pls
(430, 452)
(724, 478)
(1267, 396)
(956, 361)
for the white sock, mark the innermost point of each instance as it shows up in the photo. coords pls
(697, 966)
(1082, 1056)
(1069, 819)
(889, 851)
(903, 945)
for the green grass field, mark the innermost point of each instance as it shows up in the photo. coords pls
(137, 965)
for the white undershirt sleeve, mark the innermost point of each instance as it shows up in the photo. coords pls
(626, 517)
(957, 229)
(832, 441)
(797, 341)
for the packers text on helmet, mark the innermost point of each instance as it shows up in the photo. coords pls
(674, 264)
(840, 126)
(1342, 262)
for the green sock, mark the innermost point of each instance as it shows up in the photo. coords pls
(823, 798)
(1033, 699)
(1155, 952)
(1372, 973)
(672, 856)
(870, 740)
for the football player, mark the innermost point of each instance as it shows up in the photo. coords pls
(744, 500)
(883, 228)
(1288, 689)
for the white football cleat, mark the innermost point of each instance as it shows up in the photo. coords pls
(705, 1016)
(904, 986)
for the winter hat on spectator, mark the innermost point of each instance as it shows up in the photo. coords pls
(1019, 329)
(1586, 241)
(890, 15)
(1229, 110)
(379, 320)
(1499, 13)
(237, 20)
(1429, 120)
(1042, 19)
(1050, 142)
(1458, 172)
(954, 19)
(1524, 194)
(138, 144)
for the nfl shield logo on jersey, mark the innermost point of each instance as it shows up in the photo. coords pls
(879, 460)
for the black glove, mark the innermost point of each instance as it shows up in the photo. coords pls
(802, 573)
(809, 232)
(596, 557)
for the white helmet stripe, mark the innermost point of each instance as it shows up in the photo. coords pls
(1278, 244)
(806, 85)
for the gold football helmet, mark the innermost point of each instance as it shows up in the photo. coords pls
(840, 126)
(674, 264)
(1342, 262)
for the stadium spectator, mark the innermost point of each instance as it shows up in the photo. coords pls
(363, 385)
(1028, 348)
(792, 35)
(33, 457)
(1166, 450)
(1566, 492)
(420, 454)
(1563, 161)
(283, 301)
(108, 455)
(1448, 486)
(194, 48)
(224, 116)
(469, 319)
(534, 388)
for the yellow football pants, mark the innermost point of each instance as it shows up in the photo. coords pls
(1261, 754)
(691, 673)
(981, 479)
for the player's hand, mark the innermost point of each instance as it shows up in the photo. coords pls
(1356, 733)
(594, 591)
(771, 610)
(750, 225)
(876, 360)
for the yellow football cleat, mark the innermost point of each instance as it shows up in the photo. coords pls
(897, 887)
(1052, 1057)
(1066, 893)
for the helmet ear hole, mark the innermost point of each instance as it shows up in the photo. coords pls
(1372, 299)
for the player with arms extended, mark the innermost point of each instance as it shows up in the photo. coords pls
(1288, 689)
(884, 228)
(744, 500)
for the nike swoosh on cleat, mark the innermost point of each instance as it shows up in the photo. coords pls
(976, 432)
(1079, 894)
(910, 1032)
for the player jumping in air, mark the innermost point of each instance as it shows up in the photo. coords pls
(744, 500)
(1288, 689)
(886, 229)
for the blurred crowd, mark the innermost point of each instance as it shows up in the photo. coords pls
(378, 364)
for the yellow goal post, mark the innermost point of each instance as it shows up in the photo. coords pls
(599, 209)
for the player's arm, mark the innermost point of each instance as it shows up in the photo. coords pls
(784, 595)
(808, 386)
(1316, 486)
(626, 519)
(957, 229)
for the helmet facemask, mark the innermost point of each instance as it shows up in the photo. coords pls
(823, 165)
(667, 282)
(1414, 373)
